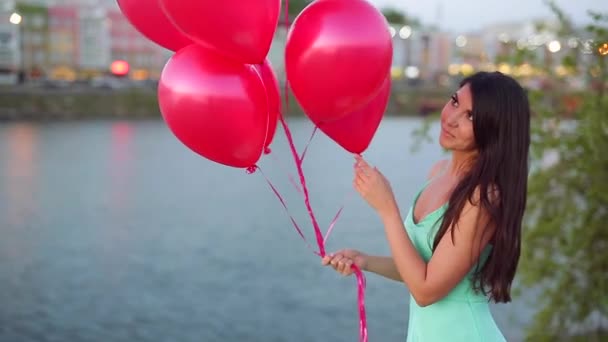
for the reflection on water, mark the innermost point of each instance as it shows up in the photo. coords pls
(120, 167)
(113, 231)
(21, 148)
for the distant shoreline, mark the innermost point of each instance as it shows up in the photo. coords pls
(92, 103)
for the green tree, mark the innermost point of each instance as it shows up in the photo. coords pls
(398, 17)
(296, 6)
(565, 240)
(392, 15)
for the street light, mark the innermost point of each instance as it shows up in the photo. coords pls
(554, 46)
(405, 32)
(15, 19)
(461, 41)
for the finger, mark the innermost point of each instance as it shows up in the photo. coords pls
(336, 260)
(366, 169)
(325, 260)
(356, 186)
(343, 265)
(340, 267)
(363, 170)
(359, 186)
(361, 179)
(361, 161)
(377, 172)
(347, 268)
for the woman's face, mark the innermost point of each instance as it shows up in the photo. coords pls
(457, 122)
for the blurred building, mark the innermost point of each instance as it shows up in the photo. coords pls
(63, 42)
(145, 58)
(420, 54)
(33, 33)
(500, 39)
(72, 39)
(435, 52)
(80, 39)
(470, 50)
(10, 58)
(94, 41)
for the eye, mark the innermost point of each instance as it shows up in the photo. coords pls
(454, 101)
(470, 115)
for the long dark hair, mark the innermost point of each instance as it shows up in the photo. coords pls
(501, 125)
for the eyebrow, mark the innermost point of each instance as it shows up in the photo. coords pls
(455, 97)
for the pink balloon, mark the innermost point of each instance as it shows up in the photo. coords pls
(215, 106)
(337, 56)
(240, 29)
(148, 18)
(271, 83)
(355, 131)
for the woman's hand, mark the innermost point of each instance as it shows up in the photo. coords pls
(343, 260)
(373, 187)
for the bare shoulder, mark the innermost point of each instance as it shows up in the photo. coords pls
(478, 216)
(437, 168)
(493, 195)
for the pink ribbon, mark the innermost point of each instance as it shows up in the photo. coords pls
(322, 240)
(303, 189)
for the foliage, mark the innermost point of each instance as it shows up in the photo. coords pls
(392, 15)
(565, 240)
(296, 6)
(398, 17)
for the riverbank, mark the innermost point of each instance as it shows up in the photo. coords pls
(84, 103)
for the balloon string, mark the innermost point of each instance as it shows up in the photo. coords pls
(294, 152)
(361, 283)
(292, 180)
(298, 161)
(284, 204)
(335, 220)
(289, 175)
(308, 143)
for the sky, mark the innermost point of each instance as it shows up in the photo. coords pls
(467, 15)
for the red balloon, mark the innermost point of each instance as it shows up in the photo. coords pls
(355, 131)
(241, 29)
(150, 20)
(215, 106)
(337, 56)
(271, 83)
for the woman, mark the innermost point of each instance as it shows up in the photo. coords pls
(459, 245)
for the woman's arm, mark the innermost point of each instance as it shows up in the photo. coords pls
(451, 261)
(342, 261)
(383, 266)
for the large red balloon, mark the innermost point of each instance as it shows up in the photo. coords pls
(271, 83)
(149, 19)
(355, 131)
(337, 56)
(241, 29)
(215, 106)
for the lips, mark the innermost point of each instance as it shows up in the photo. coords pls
(446, 132)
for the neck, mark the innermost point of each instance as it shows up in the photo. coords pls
(461, 162)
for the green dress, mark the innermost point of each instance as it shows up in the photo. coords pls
(462, 315)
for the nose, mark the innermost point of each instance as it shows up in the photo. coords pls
(451, 119)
